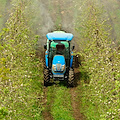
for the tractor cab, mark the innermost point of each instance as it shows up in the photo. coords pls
(58, 56)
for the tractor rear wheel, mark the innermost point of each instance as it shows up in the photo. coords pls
(44, 64)
(73, 64)
(46, 77)
(71, 78)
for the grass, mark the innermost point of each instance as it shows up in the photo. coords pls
(2, 7)
(117, 24)
(59, 98)
(87, 107)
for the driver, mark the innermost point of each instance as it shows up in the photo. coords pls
(60, 48)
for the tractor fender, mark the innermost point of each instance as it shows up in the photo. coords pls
(46, 58)
(71, 60)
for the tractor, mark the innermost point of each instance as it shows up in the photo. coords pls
(58, 63)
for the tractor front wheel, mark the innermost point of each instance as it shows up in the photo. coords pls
(71, 78)
(46, 77)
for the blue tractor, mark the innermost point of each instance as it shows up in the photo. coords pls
(59, 58)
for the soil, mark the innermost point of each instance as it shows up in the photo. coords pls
(74, 98)
(46, 113)
(75, 105)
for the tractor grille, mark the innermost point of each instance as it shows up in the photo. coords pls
(58, 67)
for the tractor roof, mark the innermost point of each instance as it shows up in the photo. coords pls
(59, 36)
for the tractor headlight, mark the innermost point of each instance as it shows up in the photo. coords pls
(54, 67)
(62, 67)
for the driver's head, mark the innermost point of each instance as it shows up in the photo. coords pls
(60, 47)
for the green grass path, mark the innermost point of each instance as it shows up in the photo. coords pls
(59, 98)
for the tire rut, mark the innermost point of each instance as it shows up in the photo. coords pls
(46, 113)
(74, 97)
(75, 105)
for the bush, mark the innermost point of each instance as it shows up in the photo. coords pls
(19, 68)
(101, 61)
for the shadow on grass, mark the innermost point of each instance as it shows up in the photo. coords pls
(81, 75)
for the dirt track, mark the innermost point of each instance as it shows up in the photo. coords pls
(75, 104)
(46, 113)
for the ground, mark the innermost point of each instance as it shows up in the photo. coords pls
(50, 97)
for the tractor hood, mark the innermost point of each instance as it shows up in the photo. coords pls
(58, 64)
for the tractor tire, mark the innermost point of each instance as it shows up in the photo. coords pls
(44, 64)
(46, 77)
(73, 64)
(76, 61)
(71, 78)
